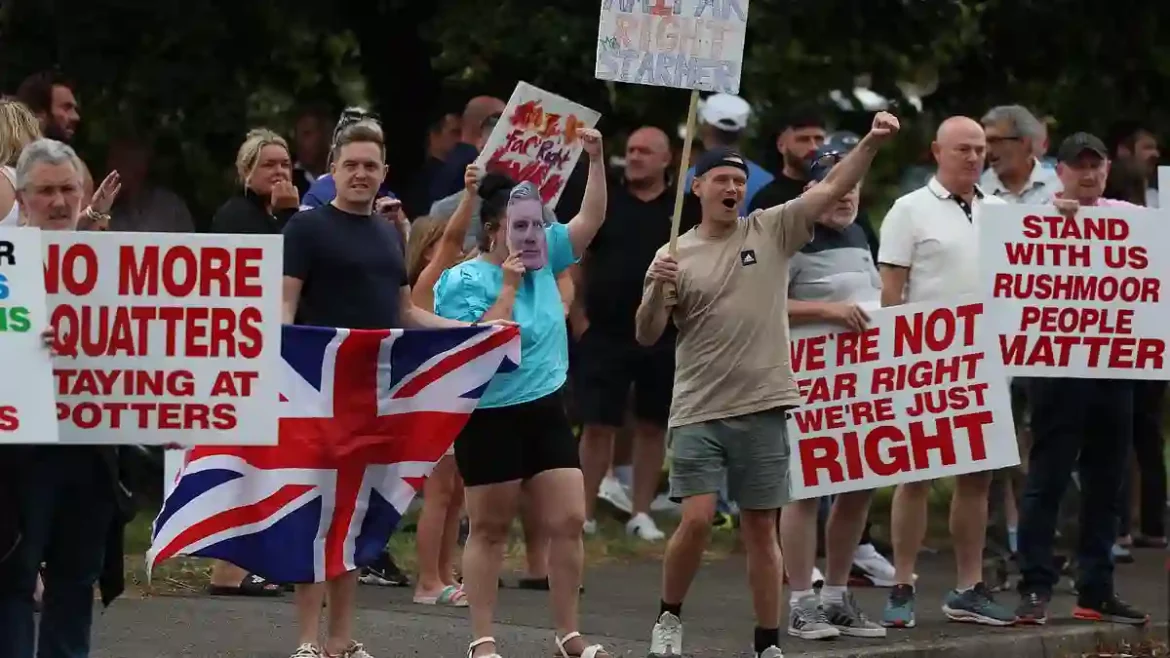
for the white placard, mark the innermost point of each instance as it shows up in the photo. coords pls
(536, 140)
(165, 338)
(27, 412)
(1080, 297)
(919, 395)
(684, 44)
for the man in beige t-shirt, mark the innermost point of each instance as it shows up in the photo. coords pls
(733, 381)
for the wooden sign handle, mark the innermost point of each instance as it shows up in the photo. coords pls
(683, 165)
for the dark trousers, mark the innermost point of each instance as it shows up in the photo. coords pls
(1148, 445)
(66, 505)
(1082, 424)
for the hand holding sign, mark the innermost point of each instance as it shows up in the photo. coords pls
(591, 141)
(664, 269)
(513, 270)
(885, 126)
(471, 177)
(1067, 207)
(850, 316)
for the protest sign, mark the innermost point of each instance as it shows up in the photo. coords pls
(165, 338)
(1164, 188)
(918, 395)
(1077, 297)
(26, 376)
(685, 44)
(536, 140)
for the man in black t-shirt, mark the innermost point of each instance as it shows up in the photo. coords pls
(608, 359)
(344, 267)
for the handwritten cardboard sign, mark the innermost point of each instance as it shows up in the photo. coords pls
(1077, 297)
(165, 338)
(685, 44)
(536, 140)
(26, 373)
(918, 395)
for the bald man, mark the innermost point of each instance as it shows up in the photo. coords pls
(929, 252)
(475, 126)
(608, 360)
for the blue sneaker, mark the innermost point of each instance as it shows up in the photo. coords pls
(977, 606)
(899, 611)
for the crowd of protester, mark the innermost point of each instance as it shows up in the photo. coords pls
(606, 382)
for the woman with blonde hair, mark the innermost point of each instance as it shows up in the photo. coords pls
(18, 128)
(266, 201)
(268, 197)
(435, 246)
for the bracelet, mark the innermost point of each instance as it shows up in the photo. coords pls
(96, 216)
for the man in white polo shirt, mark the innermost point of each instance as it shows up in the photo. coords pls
(929, 252)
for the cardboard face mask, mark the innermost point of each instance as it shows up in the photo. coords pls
(525, 227)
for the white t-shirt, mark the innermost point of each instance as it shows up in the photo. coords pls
(13, 216)
(930, 232)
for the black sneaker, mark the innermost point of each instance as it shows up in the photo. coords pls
(384, 572)
(1033, 609)
(1112, 610)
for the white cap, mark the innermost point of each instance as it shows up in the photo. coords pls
(725, 112)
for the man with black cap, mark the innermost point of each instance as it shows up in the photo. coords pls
(722, 121)
(1082, 424)
(726, 291)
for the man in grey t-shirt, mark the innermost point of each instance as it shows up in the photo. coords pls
(831, 281)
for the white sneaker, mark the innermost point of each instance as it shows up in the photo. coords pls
(771, 652)
(663, 503)
(643, 527)
(874, 566)
(612, 492)
(306, 651)
(818, 578)
(666, 639)
(589, 528)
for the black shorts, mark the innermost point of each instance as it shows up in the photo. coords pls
(607, 366)
(504, 444)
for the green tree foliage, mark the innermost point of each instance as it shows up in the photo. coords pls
(196, 76)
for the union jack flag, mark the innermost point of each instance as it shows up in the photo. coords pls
(365, 415)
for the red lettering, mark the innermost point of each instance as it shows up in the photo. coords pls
(181, 271)
(225, 417)
(816, 454)
(923, 444)
(247, 272)
(935, 330)
(195, 417)
(225, 384)
(62, 269)
(9, 419)
(1126, 257)
(1059, 227)
(855, 348)
(1056, 351)
(169, 416)
(808, 353)
(973, 424)
(899, 457)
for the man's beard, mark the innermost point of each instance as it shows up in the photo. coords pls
(54, 131)
(795, 163)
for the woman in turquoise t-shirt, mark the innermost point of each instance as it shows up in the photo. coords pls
(519, 434)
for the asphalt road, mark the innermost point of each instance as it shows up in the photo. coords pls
(618, 609)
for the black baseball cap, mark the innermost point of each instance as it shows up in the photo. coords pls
(720, 157)
(836, 147)
(1074, 145)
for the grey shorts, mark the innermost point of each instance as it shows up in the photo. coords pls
(750, 450)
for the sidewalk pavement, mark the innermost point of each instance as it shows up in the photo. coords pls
(618, 610)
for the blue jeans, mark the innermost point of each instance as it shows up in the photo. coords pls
(1087, 425)
(66, 505)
